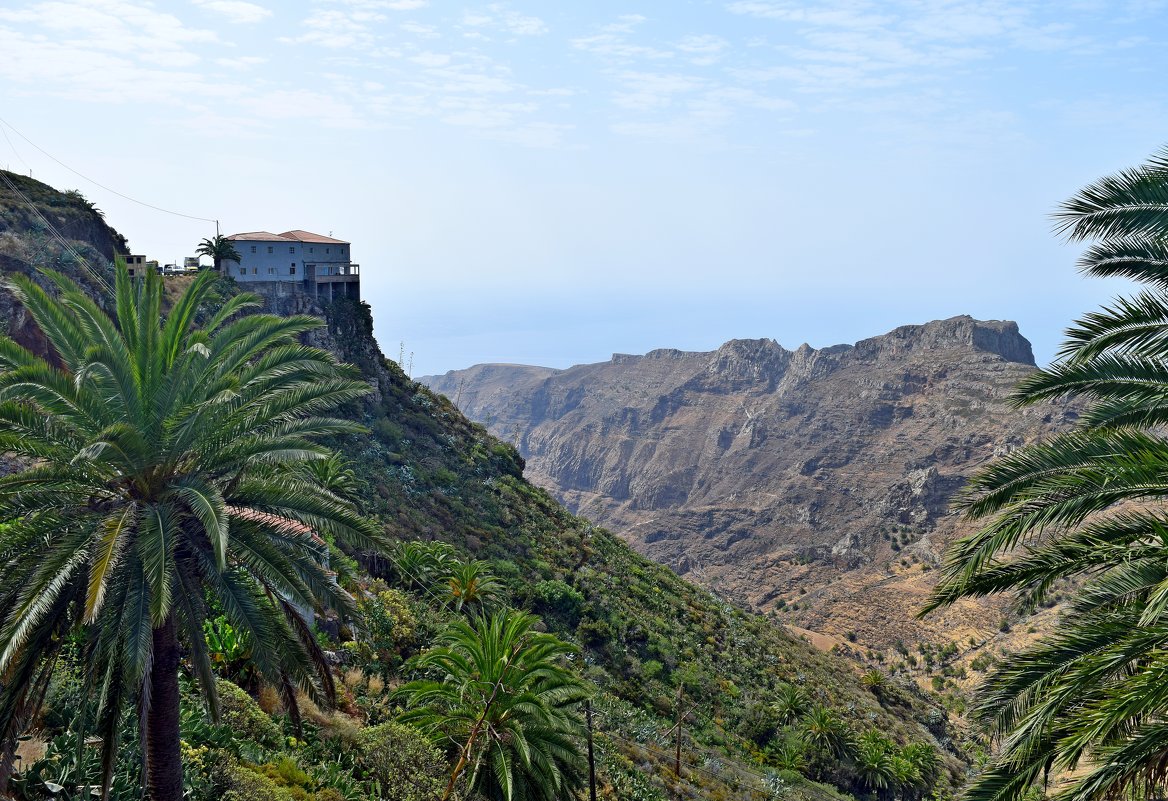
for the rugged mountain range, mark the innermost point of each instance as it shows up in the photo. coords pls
(814, 481)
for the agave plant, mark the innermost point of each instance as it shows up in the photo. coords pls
(157, 458)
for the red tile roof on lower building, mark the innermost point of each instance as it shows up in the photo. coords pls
(260, 236)
(308, 236)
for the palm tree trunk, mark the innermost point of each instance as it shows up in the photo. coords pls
(163, 756)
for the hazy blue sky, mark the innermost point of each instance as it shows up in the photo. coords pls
(552, 182)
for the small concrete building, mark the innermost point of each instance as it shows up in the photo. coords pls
(135, 264)
(317, 265)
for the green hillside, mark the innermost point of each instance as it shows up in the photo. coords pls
(760, 706)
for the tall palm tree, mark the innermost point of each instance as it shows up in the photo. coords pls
(502, 697)
(1088, 703)
(219, 249)
(159, 470)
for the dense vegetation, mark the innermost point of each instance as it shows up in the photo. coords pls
(763, 714)
(1083, 710)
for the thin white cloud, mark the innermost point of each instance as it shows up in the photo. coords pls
(337, 29)
(431, 59)
(384, 5)
(241, 62)
(703, 50)
(236, 10)
(841, 14)
(421, 30)
(499, 17)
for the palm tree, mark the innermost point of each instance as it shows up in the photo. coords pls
(158, 474)
(874, 762)
(791, 703)
(825, 730)
(470, 586)
(219, 249)
(1088, 702)
(502, 697)
(420, 565)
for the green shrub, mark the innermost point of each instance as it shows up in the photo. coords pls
(559, 601)
(241, 714)
(245, 784)
(390, 631)
(402, 761)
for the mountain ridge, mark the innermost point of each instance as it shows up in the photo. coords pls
(776, 477)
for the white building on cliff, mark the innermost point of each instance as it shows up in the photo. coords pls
(300, 260)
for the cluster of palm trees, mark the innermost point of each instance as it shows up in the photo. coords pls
(434, 568)
(815, 739)
(495, 690)
(1083, 713)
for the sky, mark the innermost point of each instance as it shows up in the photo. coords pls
(551, 183)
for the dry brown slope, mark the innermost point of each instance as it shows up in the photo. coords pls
(819, 479)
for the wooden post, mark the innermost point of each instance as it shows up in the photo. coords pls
(591, 759)
(677, 742)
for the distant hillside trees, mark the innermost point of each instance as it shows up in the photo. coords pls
(1086, 705)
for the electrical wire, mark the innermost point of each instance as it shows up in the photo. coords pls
(81, 260)
(96, 183)
(14, 150)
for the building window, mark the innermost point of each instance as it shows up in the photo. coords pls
(253, 248)
(292, 270)
(342, 251)
(271, 271)
(292, 249)
(243, 271)
(271, 249)
(255, 270)
(327, 250)
(312, 250)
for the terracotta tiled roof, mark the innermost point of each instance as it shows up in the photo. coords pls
(308, 236)
(260, 236)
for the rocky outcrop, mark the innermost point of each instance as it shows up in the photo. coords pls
(818, 480)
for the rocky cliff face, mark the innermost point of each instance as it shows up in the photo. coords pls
(813, 481)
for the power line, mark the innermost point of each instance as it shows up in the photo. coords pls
(96, 183)
(14, 150)
(81, 260)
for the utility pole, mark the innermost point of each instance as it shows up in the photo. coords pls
(591, 759)
(677, 742)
